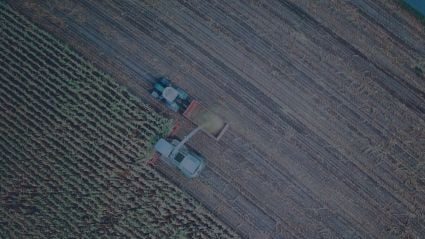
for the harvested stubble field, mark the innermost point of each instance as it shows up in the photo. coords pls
(325, 101)
(73, 149)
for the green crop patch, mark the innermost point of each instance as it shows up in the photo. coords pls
(417, 7)
(73, 149)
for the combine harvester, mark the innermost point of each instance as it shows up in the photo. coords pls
(173, 151)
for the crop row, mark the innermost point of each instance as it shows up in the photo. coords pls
(74, 145)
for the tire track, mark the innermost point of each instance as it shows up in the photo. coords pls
(312, 150)
(253, 90)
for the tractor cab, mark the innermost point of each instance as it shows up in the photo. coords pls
(171, 95)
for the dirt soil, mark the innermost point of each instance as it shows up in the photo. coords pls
(326, 102)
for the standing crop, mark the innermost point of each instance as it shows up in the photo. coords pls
(72, 146)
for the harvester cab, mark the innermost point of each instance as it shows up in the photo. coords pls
(175, 98)
(175, 153)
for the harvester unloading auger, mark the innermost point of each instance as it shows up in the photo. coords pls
(174, 151)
